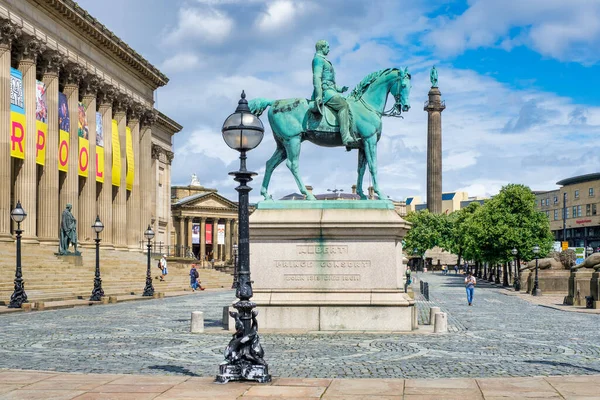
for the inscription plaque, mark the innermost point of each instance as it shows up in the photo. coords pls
(321, 278)
(321, 264)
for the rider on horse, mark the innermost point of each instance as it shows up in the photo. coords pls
(328, 93)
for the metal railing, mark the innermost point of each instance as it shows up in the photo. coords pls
(435, 103)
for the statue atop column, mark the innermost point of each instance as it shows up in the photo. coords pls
(68, 232)
(433, 77)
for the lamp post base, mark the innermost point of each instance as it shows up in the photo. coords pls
(243, 371)
(536, 292)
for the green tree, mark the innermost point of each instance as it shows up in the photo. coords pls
(459, 235)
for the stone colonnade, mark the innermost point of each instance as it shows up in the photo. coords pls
(205, 251)
(43, 190)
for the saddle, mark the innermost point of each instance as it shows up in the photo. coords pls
(326, 122)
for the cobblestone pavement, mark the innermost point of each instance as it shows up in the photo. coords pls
(499, 336)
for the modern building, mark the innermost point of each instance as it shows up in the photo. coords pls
(79, 127)
(205, 224)
(451, 201)
(573, 210)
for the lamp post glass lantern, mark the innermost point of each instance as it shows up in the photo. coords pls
(536, 288)
(516, 281)
(97, 292)
(19, 296)
(148, 289)
(243, 131)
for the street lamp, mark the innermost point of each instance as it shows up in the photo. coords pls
(517, 281)
(149, 289)
(243, 131)
(235, 266)
(589, 251)
(536, 288)
(97, 293)
(19, 296)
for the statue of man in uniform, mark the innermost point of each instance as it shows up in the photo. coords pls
(68, 231)
(327, 92)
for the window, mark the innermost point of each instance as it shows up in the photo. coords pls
(548, 214)
(574, 211)
(593, 209)
(555, 199)
(577, 194)
(579, 211)
(567, 213)
(548, 201)
(588, 210)
(591, 192)
(556, 215)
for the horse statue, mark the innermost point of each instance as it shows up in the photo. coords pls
(294, 121)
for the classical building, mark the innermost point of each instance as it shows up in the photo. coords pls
(204, 223)
(451, 201)
(78, 127)
(573, 210)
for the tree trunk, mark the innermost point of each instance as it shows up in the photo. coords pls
(505, 275)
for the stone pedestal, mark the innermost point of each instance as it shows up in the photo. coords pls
(329, 265)
(579, 286)
(550, 281)
(524, 280)
(595, 288)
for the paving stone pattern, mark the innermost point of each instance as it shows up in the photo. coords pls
(499, 336)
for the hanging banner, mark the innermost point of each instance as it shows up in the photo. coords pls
(64, 127)
(116, 155)
(99, 149)
(17, 115)
(130, 175)
(220, 234)
(195, 233)
(208, 234)
(84, 144)
(41, 123)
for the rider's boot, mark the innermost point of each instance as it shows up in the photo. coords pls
(347, 138)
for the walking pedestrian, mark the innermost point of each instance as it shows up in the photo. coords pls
(163, 266)
(456, 270)
(470, 283)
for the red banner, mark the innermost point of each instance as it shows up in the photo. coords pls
(208, 234)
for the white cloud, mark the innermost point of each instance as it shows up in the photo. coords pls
(180, 62)
(208, 25)
(278, 15)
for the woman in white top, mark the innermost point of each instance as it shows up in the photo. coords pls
(470, 283)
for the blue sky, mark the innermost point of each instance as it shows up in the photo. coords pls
(520, 80)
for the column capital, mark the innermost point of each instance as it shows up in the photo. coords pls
(9, 32)
(149, 117)
(156, 151)
(135, 112)
(170, 155)
(28, 48)
(90, 85)
(121, 104)
(72, 74)
(51, 62)
(106, 95)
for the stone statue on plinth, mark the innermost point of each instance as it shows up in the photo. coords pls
(433, 77)
(195, 181)
(68, 232)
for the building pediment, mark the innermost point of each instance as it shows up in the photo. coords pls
(206, 200)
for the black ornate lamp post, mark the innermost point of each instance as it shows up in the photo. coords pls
(517, 279)
(235, 267)
(97, 293)
(243, 131)
(19, 296)
(536, 288)
(149, 289)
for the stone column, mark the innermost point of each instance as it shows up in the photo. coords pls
(178, 233)
(8, 33)
(146, 171)
(156, 152)
(119, 200)
(202, 238)
(227, 239)
(133, 197)
(88, 209)
(216, 239)
(167, 190)
(434, 108)
(26, 170)
(190, 221)
(69, 192)
(48, 208)
(105, 99)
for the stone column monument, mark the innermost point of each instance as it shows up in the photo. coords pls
(434, 107)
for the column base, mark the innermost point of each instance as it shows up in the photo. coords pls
(134, 248)
(48, 242)
(107, 246)
(30, 240)
(536, 292)
(243, 371)
(6, 237)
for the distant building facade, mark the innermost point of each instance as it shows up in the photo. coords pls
(451, 201)
(573, 210)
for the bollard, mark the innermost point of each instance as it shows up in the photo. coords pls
(432, 312)
(415, 318)
(112, 299)
(40, 305)
(197, 322)
(421, 286)
(441, 323)
(426, 290)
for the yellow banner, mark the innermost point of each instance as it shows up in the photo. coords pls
(116, 155)
(130, 170)
(100, 164)
(63, 151)
(84, 157)
(17, 135)
(40, 144)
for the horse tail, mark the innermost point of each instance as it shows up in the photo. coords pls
(259, 105)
